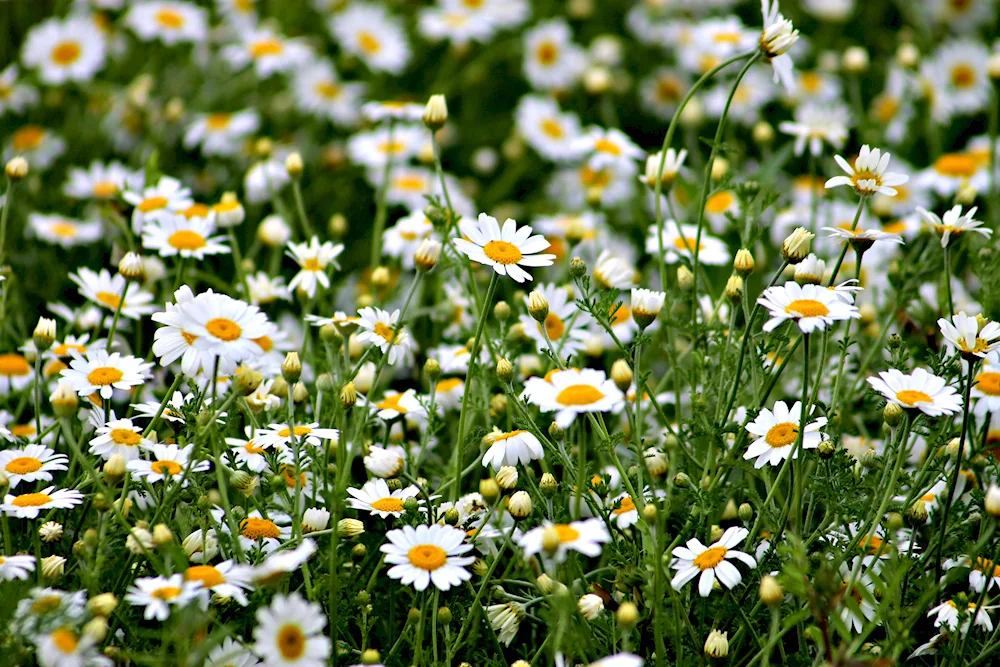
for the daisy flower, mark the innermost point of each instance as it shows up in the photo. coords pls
(384, 461)
(375, 148)
(168, 196)
(952, 171)
(98, 371)
(159, 594)
(62, 231)
(711, 563)
(380, 328)
(551, 59)
(981, 574)
(456, 24)
(99, 181)
(573, 392)
(816, 124)
(608, 148)
(30, 464)
(868, 175)
(231, 653)
(565, 325)
(376, 498)
(119, 436)
(619, 660)
(986, 387)
(398, 404)
(919, 390)
(776, 39)
(313, 259)
(258, 531)
(681, 245)
(320, 92)
(16, 567)
(227, 580)
(547, 129)
(180, 235)
(279, 563)
(585, 537)
(249, 452)
(812, 307)
(173, 410)
(623, 511)
(168, 462)
(614, 272)
(106, 291)
(865, 237)
(428, 554)
(269, 52)
(954, 223)
(39, 146)
(662, 91)
(963, 333)
(511, 448)
(290, 632)
(506, 249)
(506, 620)
(15, 372)
(281, 437)
(863, 593)
(73, 49)
(221, 133)
(266, 289)
(30, 505)
(226, 327)
(946, 614)
(369, 32)
(956, 75)
(15, 96)
(777, 432)
(64, 648)
(383, 111)
(169, 22)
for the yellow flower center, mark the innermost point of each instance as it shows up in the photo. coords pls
(264, 342)
(166, 593)
(411, 182)
(427, 557)
(719, 202)
(65, 641)
(388, 505)
(27, 138)
(963, 76)
(223, 328)
(185, 239)
(64, 229)
(579, 394)
(448, 384)
(391, 147)
(607, 146)
(709, 558)
(299, 431)
(22, 430)
(166, 467)
(872, 543)
(911, 397)
(12, 365)
(686, 244)
(807, 308)
(626, 506)
(170, 19)
(104, 376)
(256, 528)
(109, 299)
(566, 533)
(392, 403)
(620, 316)
(554, 326)
(384, 330)
(23, 465)
(782, 435)
(253, 448)
(266, 47)
(502, 252)
(66, 53)
(291, 642)
(152, 204)
(988, 383)
(547, 53)
(552, 128)
(125, 436)
(208, 575)
(32, 500)
(956, 165)
(369, 43)
(327, 89)
(668, 89)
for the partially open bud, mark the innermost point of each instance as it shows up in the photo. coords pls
(734, 288)
(621, 374)
(103, 604)
(293, 164)
(53, 567)
(44, 334)
(507, 477)
(917, 514)
(229, 212)
(299, 392)
(892, 413)
(132, 267)
(291, 369)
(350, 528)
(538, 306)
(520, 505)
(590, 606)
(548, 484)
(162, 535)
(743, 263)
(717, 645)
(436, 112)
(64, 400)
(246, 380)
(771, 592)
(427, 255)
(348, 395)
(16, 168)
(992, 501)
(795, 247)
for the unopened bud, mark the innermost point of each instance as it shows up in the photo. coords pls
(291, 368)
(621, 374)
(892, 414)
(294, 166)
(520, 505)
(507, 477)
(548, 484)
(44, 334)
(538, 306)
(743, 263)
(577, 267)
(348, 395)
(350, 528)
(132, 268)
(489, 490)
(501, 311)
(114, 468)
(505, 370)
(771, 592)
(436, 112)
(16, 169)
(685, 279)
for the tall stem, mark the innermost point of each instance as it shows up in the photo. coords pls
(118, 312)
(843, 252)
(800, 439)
(4, 215)
(380, 203)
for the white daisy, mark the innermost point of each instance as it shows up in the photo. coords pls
(551, 59)
(100, 181)
(231, 653)
(179, 235)
(511, 448)
(952, 171)
(376, 498)
(281, 437)
(169, 462)
(30, 464)
(159, 594)
(168, 21)
(63, 231)
(269, 52)
(290, 632)
(226, 580)
(320, 92)
(676, 245)
(585, 537)
(963, 333)
(711, 563)
(812, 307)
(778, 431)
(73, 49)
(225, 327)
(573, 392)
(428, 554)
(919, 390)
(168, 196)
(816, 124)
(506, 249)
(547, 129)
(954, 223)
(221, 133)
(15, 372)
(313, 259)
(30, 505)
(380, 328)
(64, 648)
(119, 436)
(986, 387)
(278, 563)
(608, 148)
(14, 95)
(16, 567)
(868, 175)
(371, 33)
(99, 371)
(946, 615)
(39, 146)
(106, 291)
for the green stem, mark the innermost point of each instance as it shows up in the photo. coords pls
(300, 207)
(381, 209)
(843, 252)
(118, 312)
(4, 216)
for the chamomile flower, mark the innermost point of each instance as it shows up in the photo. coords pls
(266, 289)
(15, 372)
(14, 95)
(711, 563)
(954, 223)
(290, 632)
(168, 196)
(178, 235)
(39, 146)
(983, 573)
(369, 32)
(101, 372)
(269, 52)
(16, 567)
(919, 390)
(956, 73)
(158, 594)
(551, 59)
(167, 462)
(776, 39)
(811, 307)
(964, 334)
(986, 387)
(30, 505)
(376, 498)
(374, 148)
(226, 580)
(565, 325)
(226, 327)
(257, 531)
(946, 616)
(426, 554)
(382, 329)
(248, 452)
(63, 648)
(573, 392)
(506, 249)
(608, 148)
(816, 124)
(106, 291)
(30, 464)
(677, 245)
(868, 175)
(384, 462)
(62, 50)
(221, 133)
(313, 259)
(547, 129)
(777, 432)
(278, 563)
(168, 21)
(662, 91)
(320, 92)
(456, 24)
(100, 182)
(398, 404)
(119, 436)
(863, 594)
(585, 537)
(281, 437)
(952, 171)
(231, 653)
(511, 448)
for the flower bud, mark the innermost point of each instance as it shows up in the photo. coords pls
(717, 645)
(348, 395)
(103, 604)
(451, 516)
(505, 370)
(892, 414)
(50, 531)
(826, 449)
(16, 169)
(501, 311)
(627, 616)
(992, 501)
(489, 490)
(577, 267)
(763, 133)
(291, 368)
(855, 60)
(520, 505)
(538, 306)
(556, 432)
(685, 279)
(681, 480)
(114, 468)
(908, 56)
(53, 567)
(649, 513)
(299, 392)
(64, 400)
(745, 512)
(771, 592)
(370, 657)
(548, 484)
(743, 263)
(734, 288)
(162, 535)
(436, 112)
(246, 380)
(96, 629)
(132, 268)
(507, 477)
(294, 166)
(427, 255)
(621, 374)
(590, 606)
(350, 528)
(795, 247)
(44, 334)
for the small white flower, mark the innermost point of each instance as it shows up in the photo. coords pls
(511, 448)
(919, 390)
(962, 333)
(711, 563)
(159, 594)
(506, 249)
(777, 433)
(868, 175)
(290, 632)
(954, 223)
(426, 554)
(812, 307)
